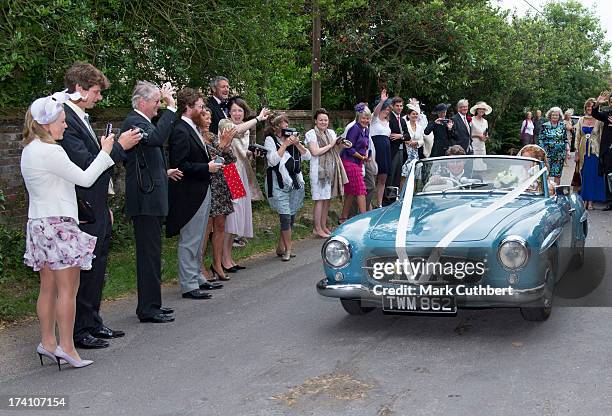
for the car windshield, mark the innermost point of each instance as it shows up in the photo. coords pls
(470, 174)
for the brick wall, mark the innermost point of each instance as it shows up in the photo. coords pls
(11, 126)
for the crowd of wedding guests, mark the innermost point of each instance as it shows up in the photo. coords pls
(190, 166)
(590, 138)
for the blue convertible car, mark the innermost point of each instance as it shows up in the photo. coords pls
(465, 232)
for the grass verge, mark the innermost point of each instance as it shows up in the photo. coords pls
(19, 285)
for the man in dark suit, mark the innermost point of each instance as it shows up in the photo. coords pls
(399, 133)
(461, 127)
(217, 103)
(190, 198)
(146, 193)
(82, 146)
(442, 129)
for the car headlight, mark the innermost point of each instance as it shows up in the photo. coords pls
(337, 252)
(513, 253)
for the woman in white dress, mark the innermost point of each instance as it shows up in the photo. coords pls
(240, 222)
(480, 132)
(417, 138)
(327, 175)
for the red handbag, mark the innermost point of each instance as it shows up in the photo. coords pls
(232, 177)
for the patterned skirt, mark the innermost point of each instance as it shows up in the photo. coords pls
(354, 172)
(58, 243)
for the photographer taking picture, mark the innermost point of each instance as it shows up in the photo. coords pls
(284, 179)
(442, 129)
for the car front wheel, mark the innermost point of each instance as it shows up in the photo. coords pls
(353, 307)
(542, 311)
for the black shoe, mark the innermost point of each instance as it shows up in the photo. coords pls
(210, 286)
(608, 208)
(166, 311)
(232, 269)
(90, 342)
(160, 318)
(197, 294)
(106, 332)
(239, 267)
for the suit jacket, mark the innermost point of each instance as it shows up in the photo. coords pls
(217, 114)
(188, 153)
(146, 180)
(463, 134)
(443, 138)
(395, 128)
(82, 148)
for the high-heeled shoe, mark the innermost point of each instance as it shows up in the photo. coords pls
(238, 267)
(60, 354)
(217, 274)
(43, 351)
(232, 269)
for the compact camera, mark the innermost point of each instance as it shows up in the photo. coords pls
(445, 120)
(144, 136)
(289, 132)
(257, 147)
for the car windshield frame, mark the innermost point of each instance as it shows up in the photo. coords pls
(540, 164)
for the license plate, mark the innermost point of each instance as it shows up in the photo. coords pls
(419, 304)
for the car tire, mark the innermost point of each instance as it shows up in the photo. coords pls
(542, 311)
(579, 257)
(353, 307)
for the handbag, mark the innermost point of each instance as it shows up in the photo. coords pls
(577, 178)
(86, 212)
(234, 182)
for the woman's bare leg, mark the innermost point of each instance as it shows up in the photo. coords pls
(46, 309)
(67, 286)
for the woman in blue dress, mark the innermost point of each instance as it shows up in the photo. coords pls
(588, 137)
(553, 140)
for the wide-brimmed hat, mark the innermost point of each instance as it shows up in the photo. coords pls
(440, 107)
(483, 105)
(411, 107)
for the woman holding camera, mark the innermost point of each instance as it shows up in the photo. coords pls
(55, 246)
(219, 149)
(327, 175)
(240, 222)
(284, 179)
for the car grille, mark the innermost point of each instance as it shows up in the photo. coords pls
(447, 270)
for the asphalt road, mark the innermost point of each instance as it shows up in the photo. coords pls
(268, 344)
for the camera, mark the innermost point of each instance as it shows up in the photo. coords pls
(144, 136)
(347, 143)
(257, 147)
(289, 132)
(445, 120)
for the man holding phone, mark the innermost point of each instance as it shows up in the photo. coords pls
(82, 146)
(190, 198)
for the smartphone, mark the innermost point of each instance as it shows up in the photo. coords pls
(109, 129)
(219, 160)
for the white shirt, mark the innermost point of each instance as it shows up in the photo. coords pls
(50, 177)
(274, 159)
(529, 128)
(193, 126)
(379, 127)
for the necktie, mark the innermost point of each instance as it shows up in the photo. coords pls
(91, 130)
(467, 126)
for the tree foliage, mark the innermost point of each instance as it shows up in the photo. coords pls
(436, 50)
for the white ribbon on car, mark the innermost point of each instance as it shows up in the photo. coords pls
(402, 227)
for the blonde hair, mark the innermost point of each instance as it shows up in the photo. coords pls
(536, 151)
(32, 130)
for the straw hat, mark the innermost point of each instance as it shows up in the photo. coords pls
(483, 105)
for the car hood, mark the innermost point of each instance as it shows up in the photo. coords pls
(433, 216)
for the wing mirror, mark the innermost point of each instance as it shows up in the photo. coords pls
(563, 190)
(391, 193)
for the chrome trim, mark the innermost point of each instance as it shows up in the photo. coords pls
(530, 290)
(343, 241)
(519, 239)
(550, 239)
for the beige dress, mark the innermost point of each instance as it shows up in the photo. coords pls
(478, 128)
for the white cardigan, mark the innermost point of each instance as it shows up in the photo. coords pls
(50, 177)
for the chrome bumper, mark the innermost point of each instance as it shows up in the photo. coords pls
(359, 291)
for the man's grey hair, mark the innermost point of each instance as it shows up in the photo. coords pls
(463, 102)
(143, 90)
(216, 80)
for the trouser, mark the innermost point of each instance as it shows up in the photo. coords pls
(88, 320)
(190, 243)
(147, 231)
